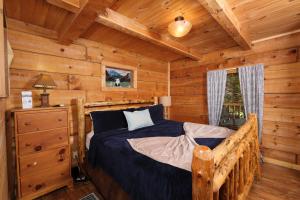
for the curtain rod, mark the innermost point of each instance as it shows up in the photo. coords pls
(235, 68)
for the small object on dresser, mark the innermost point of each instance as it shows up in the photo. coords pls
(45, 82)
(26, 99)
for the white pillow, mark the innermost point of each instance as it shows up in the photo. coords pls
(138, 119)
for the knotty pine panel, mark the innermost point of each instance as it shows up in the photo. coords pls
(188, 82)
(48, 63)
(282, 101)
(148, 75)
(282, 115)
(188, 90)
(281, 143)
(36, 44)
(282, 86)
(273, 57)
(193, 72)
(291, 70)
(282, 96)
(76, 70)
(78, 82)
(279, 155)
(283, 129)
(193, 100)
(190, 110)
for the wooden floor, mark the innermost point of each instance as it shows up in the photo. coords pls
(277, 183)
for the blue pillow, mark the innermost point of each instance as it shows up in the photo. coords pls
(156, 112)
(138, 119)
(108, 120)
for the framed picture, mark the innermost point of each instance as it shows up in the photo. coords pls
(118, 77)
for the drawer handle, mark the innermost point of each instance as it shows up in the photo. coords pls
(60, 120)
(39, 186)
(27, 123)
(33, 164)
(61, 155)
(38, 148)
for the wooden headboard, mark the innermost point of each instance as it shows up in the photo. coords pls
(84, 122)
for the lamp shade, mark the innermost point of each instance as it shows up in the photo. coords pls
(45, 81)
(180, 27)
(165, 101)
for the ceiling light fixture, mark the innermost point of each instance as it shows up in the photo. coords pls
(180, 27)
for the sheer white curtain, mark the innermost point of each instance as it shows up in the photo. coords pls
(252, 89)
(216, 84)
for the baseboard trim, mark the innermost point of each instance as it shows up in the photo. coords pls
(282, 163)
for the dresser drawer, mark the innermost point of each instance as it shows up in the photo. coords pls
(33, 163)
(36, 142)
(44, 180)
(40, 121)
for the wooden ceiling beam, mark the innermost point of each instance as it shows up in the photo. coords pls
(223, 14)
(129, 26)
(77, 23)
(70, 5)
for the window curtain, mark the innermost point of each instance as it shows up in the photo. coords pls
(252, 89)
(216, 84)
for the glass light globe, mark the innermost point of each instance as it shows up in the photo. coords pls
(180, 27)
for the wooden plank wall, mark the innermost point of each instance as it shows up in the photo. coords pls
(281, 133)
(76, 70)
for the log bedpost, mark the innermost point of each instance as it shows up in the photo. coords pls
(202, 173)
(258, 154)
(81, 131)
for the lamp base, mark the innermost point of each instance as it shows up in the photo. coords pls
(44, 100)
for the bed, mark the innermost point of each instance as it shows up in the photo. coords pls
(221, 168)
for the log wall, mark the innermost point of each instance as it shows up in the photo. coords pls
(280, 141)
(76, 70)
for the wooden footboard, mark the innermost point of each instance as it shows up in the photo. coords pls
(228, 171)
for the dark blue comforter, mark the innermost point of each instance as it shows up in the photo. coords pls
(141, 177)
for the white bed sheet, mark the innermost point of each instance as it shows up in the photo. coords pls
(88, 139)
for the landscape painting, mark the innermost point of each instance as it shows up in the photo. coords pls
(118, 78)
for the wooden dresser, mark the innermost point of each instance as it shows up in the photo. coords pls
(43, 159)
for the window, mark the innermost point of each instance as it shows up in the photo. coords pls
(233, 113)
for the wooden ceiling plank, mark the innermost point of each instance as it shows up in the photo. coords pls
(77, 23)
(223, 14)
(70, 5)
(127, 25)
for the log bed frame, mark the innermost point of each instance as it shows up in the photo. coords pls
(226, 172)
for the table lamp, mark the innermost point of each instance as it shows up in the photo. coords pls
(45, 82)
(166, 102)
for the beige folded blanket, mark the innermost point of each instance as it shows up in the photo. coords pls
(177, 151)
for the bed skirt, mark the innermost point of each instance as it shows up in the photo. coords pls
(105, 184)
